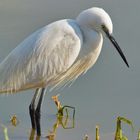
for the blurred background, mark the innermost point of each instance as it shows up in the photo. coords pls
(106, 91)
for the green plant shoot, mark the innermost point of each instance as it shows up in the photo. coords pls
(97, 133)
(138, 135)
(5, 131)
(119, 134)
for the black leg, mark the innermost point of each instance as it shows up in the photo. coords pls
(32, 109)
(37, 112)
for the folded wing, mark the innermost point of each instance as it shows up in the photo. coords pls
(43, 55)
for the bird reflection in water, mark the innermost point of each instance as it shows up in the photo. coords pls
(62, 119)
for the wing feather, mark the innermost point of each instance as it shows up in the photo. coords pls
(42, 56)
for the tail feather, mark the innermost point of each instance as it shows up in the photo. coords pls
(26, 87)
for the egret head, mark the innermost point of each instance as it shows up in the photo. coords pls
(98, 20)
(95, 18)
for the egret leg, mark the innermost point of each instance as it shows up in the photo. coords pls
(37, 112)
(32, 108)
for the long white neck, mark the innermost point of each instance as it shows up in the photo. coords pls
(93, 41)
(92, 36)
(91, 48)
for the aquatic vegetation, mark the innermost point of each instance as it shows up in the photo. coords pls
(63, 121)
(60, 108)
(14, 120)
(119, 134)
(57, 102)
(60, 121)
(5, 131)
(138, 135)
(97, 133)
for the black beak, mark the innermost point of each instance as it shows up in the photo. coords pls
(112, 39)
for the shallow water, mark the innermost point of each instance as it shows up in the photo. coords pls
(108, 90)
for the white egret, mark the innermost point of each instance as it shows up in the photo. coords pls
(56, 54)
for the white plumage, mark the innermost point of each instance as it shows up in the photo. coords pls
(39, 58)
(55, 54)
